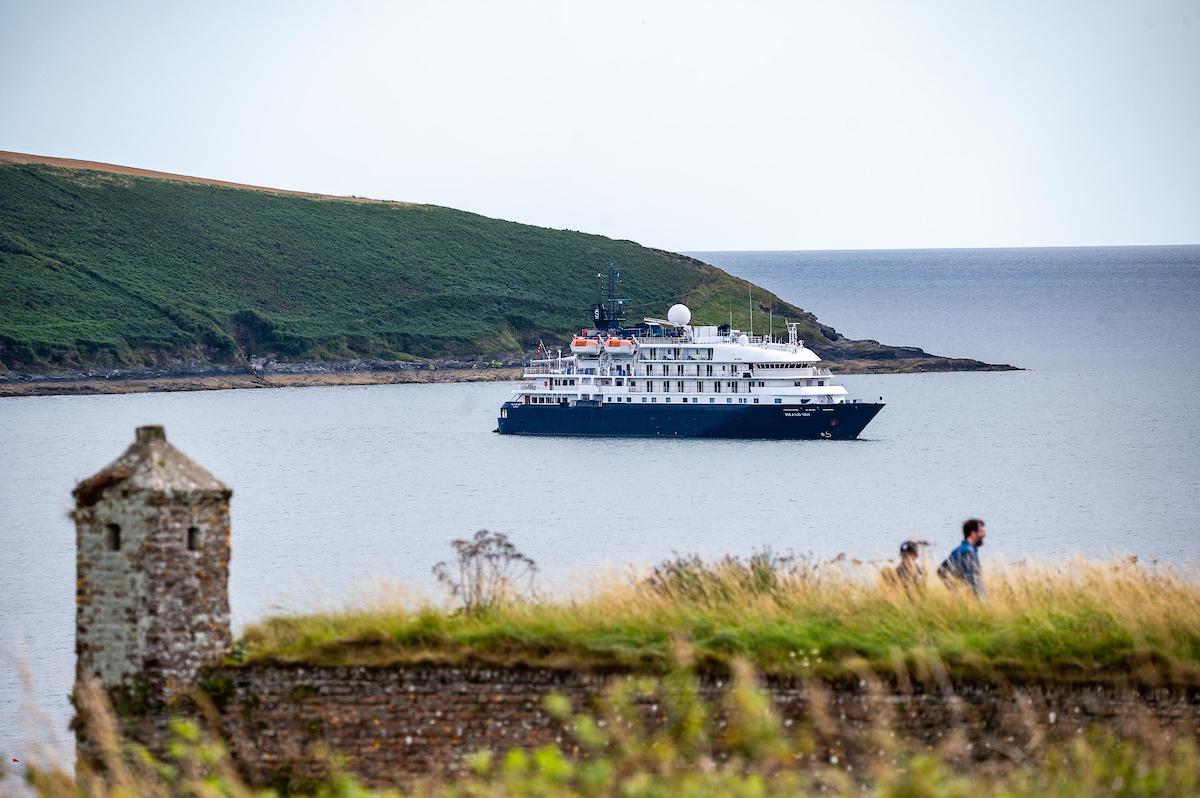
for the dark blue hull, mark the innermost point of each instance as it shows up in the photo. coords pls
(783, 422)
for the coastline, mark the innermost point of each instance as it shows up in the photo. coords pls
(90, 384)
(93, 384)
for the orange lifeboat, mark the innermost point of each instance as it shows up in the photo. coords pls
(585, 346)
(619, 346)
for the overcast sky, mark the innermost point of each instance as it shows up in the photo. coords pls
(680, 125)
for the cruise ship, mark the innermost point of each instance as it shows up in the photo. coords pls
(668, 378)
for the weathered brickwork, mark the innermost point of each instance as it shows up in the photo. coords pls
(152, 579)
(391, 725)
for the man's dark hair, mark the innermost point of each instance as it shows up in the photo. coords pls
(971, 525)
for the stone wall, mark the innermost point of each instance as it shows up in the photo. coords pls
(391, 725)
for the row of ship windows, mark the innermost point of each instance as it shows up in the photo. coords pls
(652, 400)
(677, 353)
(708, 369)
(695, 400)
(716, 384)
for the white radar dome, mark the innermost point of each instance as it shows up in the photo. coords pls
(679, 315)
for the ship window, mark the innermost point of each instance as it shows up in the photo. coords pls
(755, 401)
(679, 370)
(799, 383)
(778, 401)
(711, 400)
(654, 399)
(820, 382)
(620, 381)
(728, 401)
(112, 537)
(668, 400)
(708, 371)
(643, 400)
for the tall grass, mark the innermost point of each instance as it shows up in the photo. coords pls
(737, 747)
(1077, 621)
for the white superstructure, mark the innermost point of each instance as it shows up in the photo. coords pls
(680, 364)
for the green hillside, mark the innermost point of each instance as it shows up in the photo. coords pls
(104, 269)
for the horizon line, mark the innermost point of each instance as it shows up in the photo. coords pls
(694, 251)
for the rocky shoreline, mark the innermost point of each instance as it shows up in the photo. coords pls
(310, 374)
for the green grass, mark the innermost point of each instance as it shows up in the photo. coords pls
(105, 269)
(735, 746)
(1114, 622)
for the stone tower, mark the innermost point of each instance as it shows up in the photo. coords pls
(152, 579)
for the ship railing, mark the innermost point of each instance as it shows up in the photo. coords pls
(798, 371)
(539, 369)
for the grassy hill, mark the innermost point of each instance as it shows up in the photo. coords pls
(103, 266)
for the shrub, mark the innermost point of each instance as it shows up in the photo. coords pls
(487, 571)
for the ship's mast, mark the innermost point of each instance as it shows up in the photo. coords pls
(616, 306)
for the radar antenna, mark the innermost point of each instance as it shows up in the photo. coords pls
(609, 314)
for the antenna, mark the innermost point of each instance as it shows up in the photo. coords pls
(750, 289)
(771, 322)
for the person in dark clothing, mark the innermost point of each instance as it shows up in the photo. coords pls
(963, 566)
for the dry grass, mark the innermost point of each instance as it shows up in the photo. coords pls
(1116, 621)
(737, 747)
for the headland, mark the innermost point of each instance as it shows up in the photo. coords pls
(124, 280)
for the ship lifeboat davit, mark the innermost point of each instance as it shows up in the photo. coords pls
(619, 346)
(585, 346)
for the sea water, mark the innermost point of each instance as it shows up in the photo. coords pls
(1094, 448)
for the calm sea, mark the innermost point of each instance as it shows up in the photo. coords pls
(1095, 448)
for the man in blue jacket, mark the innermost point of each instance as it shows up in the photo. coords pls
(963, 563)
